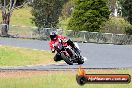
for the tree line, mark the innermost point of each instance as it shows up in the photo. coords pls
(87, 15)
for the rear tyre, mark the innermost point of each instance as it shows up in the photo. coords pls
(67, 59)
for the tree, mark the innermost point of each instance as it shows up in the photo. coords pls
(6, 14)
(116, 25)
(67, 8)
(114, 7)
(88, 15)
(127, 9)
(46, 12)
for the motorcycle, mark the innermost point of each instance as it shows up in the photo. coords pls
(69, 54)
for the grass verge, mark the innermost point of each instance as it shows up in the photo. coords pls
(55, 79)
(12, 56)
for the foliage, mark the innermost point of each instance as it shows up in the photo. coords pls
(127, 9)
(129, 30)
(65, 14)
(46, 12)
(88, 15)
(115, 25)
(63, 22)
(67, 8)
(18, 2)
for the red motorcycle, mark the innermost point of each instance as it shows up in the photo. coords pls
(69, 54)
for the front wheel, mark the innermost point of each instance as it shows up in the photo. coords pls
(80, 60)
(67, 59)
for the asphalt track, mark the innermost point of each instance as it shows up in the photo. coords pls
(98, 55)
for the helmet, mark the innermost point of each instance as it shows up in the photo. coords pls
(53, 35)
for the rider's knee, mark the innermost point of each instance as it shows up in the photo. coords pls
(57, 57)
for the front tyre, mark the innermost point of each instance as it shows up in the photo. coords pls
(80, 60)
(67, 59)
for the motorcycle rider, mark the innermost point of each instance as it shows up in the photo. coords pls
(54, 38)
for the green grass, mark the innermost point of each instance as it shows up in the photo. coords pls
(11, 56)
(59, 80)
(22, 17)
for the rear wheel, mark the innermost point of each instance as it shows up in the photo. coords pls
(67, 59)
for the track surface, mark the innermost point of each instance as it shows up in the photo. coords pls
(98, 55)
